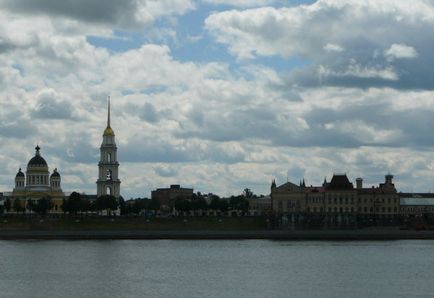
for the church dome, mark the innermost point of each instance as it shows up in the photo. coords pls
(20, 174)
(109, 131)
(55, 174)
(37, 160)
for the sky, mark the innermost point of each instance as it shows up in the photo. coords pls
(219, 95)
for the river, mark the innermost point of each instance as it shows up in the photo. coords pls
(248, 268)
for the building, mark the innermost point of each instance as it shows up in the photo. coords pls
(337, 202)
(37, 183)
(108, 182)
(259, 205)
(416, 204)
(167, 196)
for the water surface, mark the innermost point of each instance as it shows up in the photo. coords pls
(217, 268)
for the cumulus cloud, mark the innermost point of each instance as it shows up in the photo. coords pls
(332, 34)
(356, 70)
(400, 51)
(333, 48)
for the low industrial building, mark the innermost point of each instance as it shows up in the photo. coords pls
(167, 196)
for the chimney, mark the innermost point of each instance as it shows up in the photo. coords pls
(359, 183)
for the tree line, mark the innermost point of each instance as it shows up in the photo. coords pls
(186, 204)
(74, 204)
(78, 203)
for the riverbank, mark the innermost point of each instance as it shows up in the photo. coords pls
(133, 223)
(332, 235)
(100, 228)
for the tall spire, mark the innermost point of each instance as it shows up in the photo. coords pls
(108, 131)
(108, 116)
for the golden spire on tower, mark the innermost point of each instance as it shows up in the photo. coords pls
(108, 131)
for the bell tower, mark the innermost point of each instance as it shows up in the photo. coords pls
(108, 182)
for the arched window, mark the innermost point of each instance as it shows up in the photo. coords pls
(109, 157)
(109, 190)
(109, 175)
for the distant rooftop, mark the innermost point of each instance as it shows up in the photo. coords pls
(340, 181)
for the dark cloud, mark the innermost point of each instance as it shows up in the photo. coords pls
(6, 46)
(234, 125)
(20, 128)
(367, 72)
(372, 122)
(49, 108)
(149, 113)
(76, 149)
(414, 125)
(93, 11)
(160, 150)
(166, 171)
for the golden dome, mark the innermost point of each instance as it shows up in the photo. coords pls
(109, 131)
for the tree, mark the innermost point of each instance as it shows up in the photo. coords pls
(248, 193)
(85, 204)
(154, 204)
(74, 203)
(215, 203)
(122, 205)
(43, 205)
(239, 203)
(106, 202)
(219, 204)
(64, 205)
(30, 205)
(17, 206)
(7, 205)
(223, 205)
(198, 202)
(182, 204)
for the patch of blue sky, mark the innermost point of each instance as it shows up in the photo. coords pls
(281, 64)
(275, 3)
(153, 90)
(20, 69)
(127, 92)
(193, 41)
(296, 2)
(197, 45)
(120, 41)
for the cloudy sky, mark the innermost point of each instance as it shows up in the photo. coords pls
(219, 95)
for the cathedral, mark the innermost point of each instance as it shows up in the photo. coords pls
(37, 182)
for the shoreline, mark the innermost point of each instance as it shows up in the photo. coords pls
(284, 235)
